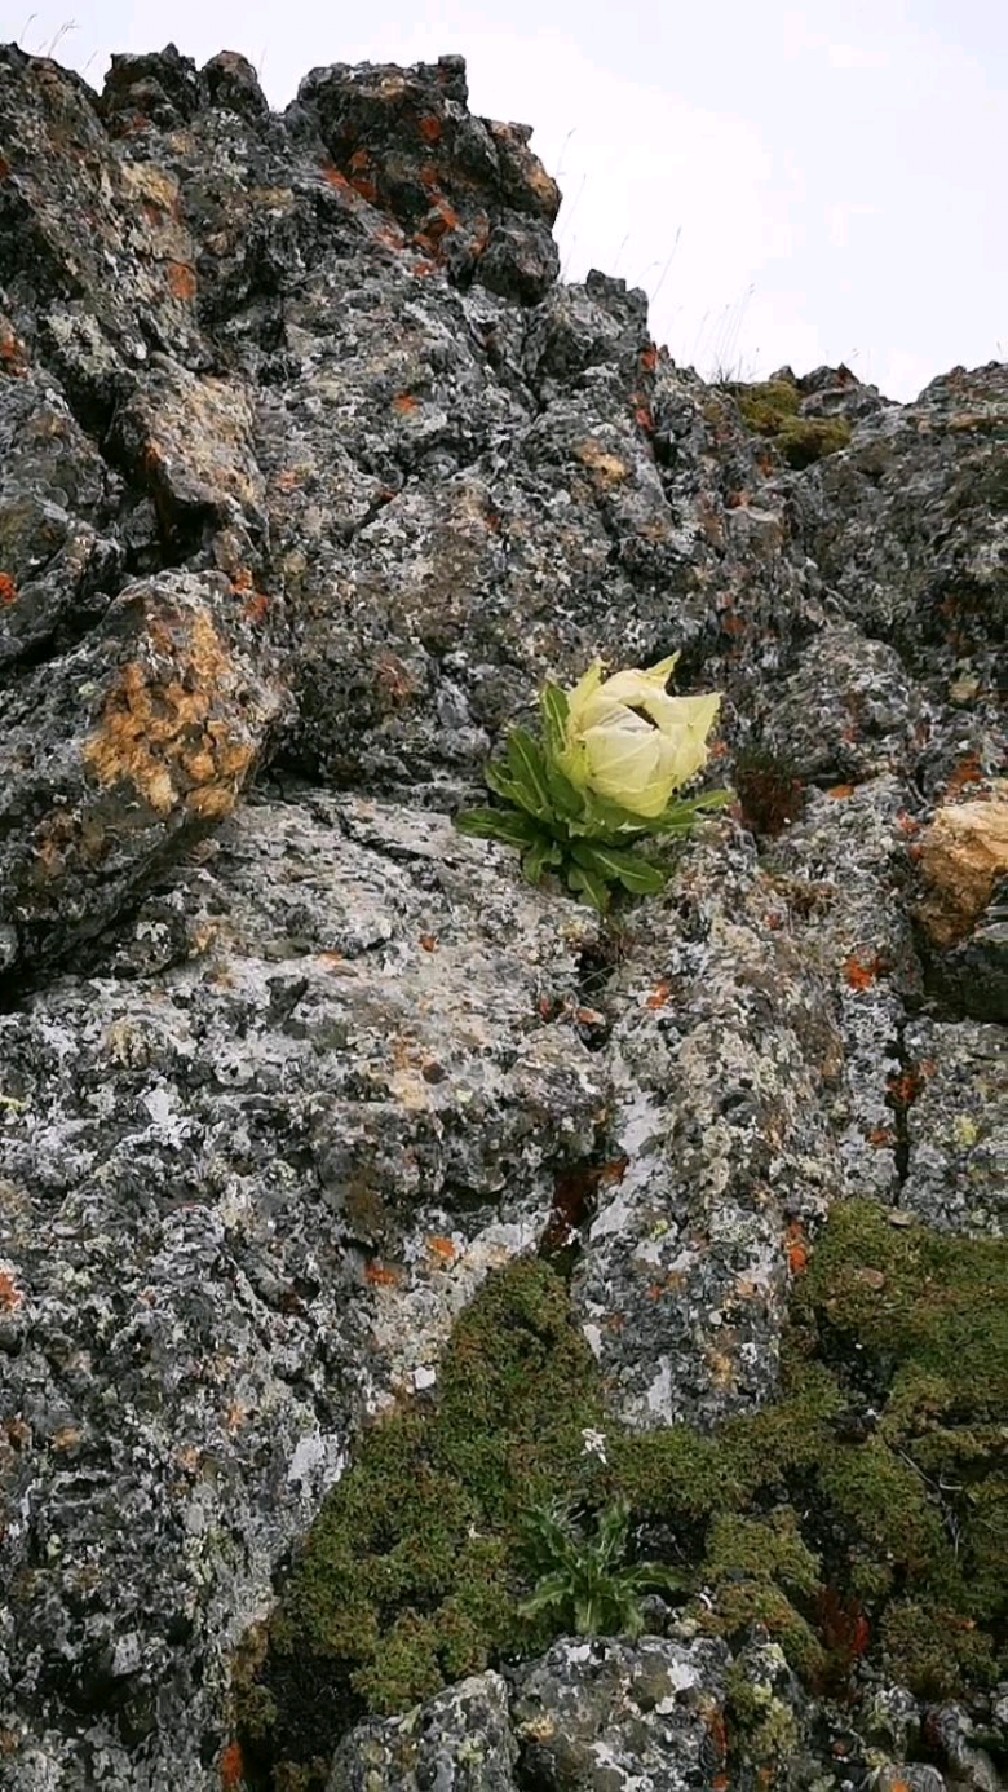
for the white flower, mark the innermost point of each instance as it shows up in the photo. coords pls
(594, 1443)
(628, 741)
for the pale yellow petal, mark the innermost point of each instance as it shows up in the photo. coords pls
(581, 696)
(638, 685)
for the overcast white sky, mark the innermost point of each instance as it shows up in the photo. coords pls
(802, 182)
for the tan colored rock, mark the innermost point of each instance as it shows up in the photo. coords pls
(963, 856)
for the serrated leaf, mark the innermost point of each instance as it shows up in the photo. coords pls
(589, 885)
(636, 874)
(508, 825)
(528, 771)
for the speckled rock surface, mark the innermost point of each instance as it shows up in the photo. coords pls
(462, 1739)
(310, 471)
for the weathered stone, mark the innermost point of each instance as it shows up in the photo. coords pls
(962, 857)
(607, 1715)
(311, 470)
(462, 1739)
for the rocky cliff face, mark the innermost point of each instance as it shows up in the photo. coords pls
(311, 470)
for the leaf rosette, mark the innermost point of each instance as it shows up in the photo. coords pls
(588, 799)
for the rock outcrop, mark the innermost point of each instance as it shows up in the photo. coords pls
(311, 470)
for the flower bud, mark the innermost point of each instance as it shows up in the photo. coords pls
(628, 741)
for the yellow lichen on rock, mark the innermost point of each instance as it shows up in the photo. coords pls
(606, 469)
(158, 731)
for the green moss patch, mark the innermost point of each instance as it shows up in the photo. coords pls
(410, 1577)
(863, 1514)
(771, 408)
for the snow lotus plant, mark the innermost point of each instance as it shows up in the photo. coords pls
(603, 780)
(585, 1586)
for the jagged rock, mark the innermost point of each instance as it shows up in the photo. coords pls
(311, 470)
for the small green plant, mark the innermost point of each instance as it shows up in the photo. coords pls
(580, 1584)
(582, 801)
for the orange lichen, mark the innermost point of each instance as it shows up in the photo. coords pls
(904, 1087)
(445, 219)
(429, 942)
(840, 792)
(430, 128)
(444, 1250)
(659, 995)
(382, 1275)
(13, 356)
(10, 1294)
(860, 973)
(8, 589)
(181, 280)
(967, 772)
(649, 358)
(334, 178)
(156, 727)
(405, 403)
(797, 1248)
(231, 1767)
(257, 608)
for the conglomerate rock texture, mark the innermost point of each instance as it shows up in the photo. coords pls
(310, 471)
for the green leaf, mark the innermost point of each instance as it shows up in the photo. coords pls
(555, 710)
(541, 855)
(547, 1536)
(552, 1591)
(636, 874)
(565, 798)
(589, 885)
(508, 825)
(528, 771)
(713, 799)
(612, 1532)
(652, 1577)
(680, 815)
(604, 820)
(503, 785)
